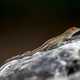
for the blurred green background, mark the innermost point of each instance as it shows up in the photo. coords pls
(26, 24)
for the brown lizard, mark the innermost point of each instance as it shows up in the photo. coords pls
(56, 40)
(51, 42)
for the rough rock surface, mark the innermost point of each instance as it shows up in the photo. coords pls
(61, 62)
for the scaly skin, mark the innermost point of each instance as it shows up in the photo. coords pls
(57, 40)
(50, 43)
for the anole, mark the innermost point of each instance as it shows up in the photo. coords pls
(56, 40)
(51, 42)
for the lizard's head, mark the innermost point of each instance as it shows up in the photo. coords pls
(73, 31)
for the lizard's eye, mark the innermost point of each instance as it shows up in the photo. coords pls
(75, 34)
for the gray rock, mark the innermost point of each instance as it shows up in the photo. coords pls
(54, 63)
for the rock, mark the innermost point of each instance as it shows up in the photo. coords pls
(47, 62)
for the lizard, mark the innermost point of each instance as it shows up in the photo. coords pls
(49, 43)
(57, 40)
